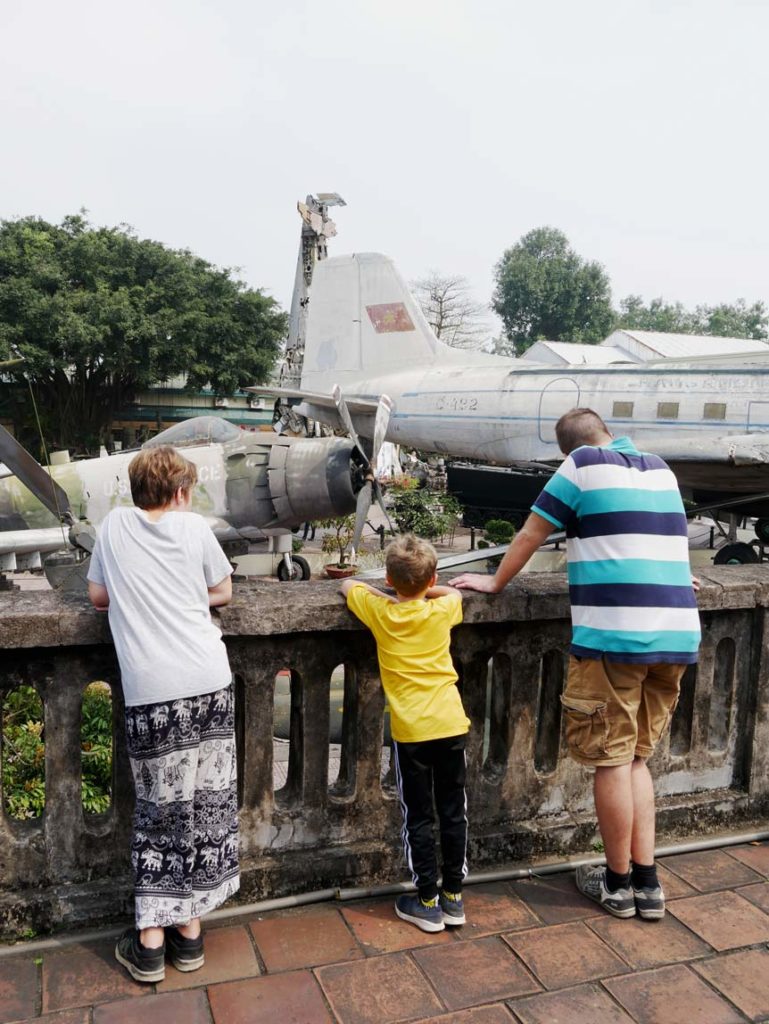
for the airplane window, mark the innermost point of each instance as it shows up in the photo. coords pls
(714, 411)
(622, 410)
(667, 410)
(199, 430)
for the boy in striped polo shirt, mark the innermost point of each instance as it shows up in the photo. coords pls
(635, 628)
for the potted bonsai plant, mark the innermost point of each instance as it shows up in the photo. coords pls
(336, 541)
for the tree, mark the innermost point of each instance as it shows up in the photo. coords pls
(733, 320)
(99, 314)
(658, 315)
(451, 310)
(729, 320)
(545, 290)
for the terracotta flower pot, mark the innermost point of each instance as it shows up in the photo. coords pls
(340, 572)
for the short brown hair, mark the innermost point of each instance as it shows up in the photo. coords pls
(410, 563)
(156, 474)
(580, 426)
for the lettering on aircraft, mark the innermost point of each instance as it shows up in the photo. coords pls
(389, 317)
(208, 474)
(456, 403)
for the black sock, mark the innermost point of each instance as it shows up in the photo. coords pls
(644, 876)
(616, 881)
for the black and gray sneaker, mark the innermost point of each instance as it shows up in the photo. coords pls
(591, 882)
(184, 954)
(650, 903)
(452, 907)
(142, 964)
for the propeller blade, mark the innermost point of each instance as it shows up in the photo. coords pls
(363, 504)
(381, 422)
(344, 412)
(33, 476)
(380, 499)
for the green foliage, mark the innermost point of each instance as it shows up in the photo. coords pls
(429, 514)
(23, 765)
(499, 531)
(728, 320)
(338, 539)
(96, 748)
(545, 290)
(99, 314)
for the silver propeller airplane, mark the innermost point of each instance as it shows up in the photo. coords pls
(366, 337)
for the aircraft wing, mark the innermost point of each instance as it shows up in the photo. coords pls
(357, 406)
(25, 542)
(733, 462)
(730, 449)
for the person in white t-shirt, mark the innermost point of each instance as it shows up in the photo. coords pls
(158, 570)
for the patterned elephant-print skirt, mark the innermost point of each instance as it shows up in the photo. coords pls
(185, 839)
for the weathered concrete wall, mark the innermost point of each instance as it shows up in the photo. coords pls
(525, 796)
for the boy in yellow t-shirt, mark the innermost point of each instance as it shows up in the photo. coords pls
(428, 723)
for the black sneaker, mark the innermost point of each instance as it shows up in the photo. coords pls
(452, 908)
(142, 964)
(591, 882)
(184, 954)
(650, 903)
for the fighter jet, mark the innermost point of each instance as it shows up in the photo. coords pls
(366, 337)
(248, 485)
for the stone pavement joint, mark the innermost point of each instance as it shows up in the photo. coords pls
(534, 951)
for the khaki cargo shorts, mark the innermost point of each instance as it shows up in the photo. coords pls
(616, 711)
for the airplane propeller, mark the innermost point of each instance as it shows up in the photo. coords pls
(371, 485)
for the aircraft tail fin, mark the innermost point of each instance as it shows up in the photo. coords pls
(364, 323)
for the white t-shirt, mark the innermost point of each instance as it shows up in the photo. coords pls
(157, 576)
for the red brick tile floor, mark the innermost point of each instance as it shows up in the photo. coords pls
(533, 952)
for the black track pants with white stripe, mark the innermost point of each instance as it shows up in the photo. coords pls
(435, 768)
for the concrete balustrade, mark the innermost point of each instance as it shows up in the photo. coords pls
(525, 797)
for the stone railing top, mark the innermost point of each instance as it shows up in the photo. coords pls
(265, 607)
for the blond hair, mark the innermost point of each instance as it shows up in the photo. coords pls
(156, 474)
(410, 563)
(580, 426)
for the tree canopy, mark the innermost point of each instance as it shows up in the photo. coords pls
(99, 314)
(544, 289)
(450, 309)
(728, 320)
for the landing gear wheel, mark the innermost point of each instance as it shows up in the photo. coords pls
(300, 567)
(735, 554)
(762, 529)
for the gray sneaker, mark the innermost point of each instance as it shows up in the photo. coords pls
(591, 882)
(650, 903)
(452, 907)
(426, 916)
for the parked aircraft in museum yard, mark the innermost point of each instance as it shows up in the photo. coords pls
(362, 358)
(366, 337)
(248, 484)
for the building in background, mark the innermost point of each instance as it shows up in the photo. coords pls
(645, 346)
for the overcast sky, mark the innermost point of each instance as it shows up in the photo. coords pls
(638, 127)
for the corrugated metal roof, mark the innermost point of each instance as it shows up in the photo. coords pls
(678, 346)
(574, 353)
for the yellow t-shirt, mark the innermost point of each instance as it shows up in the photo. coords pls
(415, 666)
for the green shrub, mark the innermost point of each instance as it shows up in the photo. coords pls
(499, 531)
(23, 765)
(429, 514)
